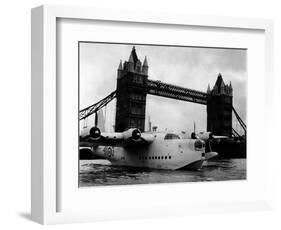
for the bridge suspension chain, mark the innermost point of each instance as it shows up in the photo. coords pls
(241, 122)
(86, 112)
(235, 133)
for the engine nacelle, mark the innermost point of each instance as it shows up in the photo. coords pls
(205, 136)
(95, 133)
(193, 135)
(135, 134)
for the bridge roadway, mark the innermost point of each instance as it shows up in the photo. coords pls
(162, 89)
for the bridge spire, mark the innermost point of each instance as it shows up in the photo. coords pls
(120, 70)
(219, 87)
(145, 66)
(131, 63)
(133, 56)
(131, 59)
(208, 89)
(230, 90)
(134, 63)
(120, 65)
(145, 62)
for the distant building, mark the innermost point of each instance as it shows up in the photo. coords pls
(101, 121)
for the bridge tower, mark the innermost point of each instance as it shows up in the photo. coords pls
(219, 108)
(131, 93)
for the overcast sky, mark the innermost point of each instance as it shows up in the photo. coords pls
(189, 67)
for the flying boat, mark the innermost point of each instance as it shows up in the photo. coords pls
(157, 150)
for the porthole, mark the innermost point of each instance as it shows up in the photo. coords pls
(165, 157)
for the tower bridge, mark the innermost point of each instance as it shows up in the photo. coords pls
(133, 86)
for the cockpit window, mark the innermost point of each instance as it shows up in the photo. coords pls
(171, 136)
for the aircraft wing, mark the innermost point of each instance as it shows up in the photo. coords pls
(206, 136)
(131, 137)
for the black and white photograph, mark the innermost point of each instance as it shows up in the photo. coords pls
(151, 113)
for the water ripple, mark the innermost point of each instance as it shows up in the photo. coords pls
(96, 173)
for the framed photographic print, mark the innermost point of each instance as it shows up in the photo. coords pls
(147, 114)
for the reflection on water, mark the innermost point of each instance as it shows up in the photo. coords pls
(100, 172)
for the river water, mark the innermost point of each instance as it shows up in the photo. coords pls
(100, 172)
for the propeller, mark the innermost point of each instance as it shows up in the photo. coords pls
(136, 134)
(95, 132)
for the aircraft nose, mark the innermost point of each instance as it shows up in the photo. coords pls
(199, 145)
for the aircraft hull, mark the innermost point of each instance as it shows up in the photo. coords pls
(172, 155)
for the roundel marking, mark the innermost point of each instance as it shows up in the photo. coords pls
(108, 151)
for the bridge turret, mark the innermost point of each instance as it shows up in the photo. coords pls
(131, 94)
(219, 108)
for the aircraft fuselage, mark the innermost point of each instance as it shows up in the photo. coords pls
(161, 154)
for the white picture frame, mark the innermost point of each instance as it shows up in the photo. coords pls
(46, 184)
